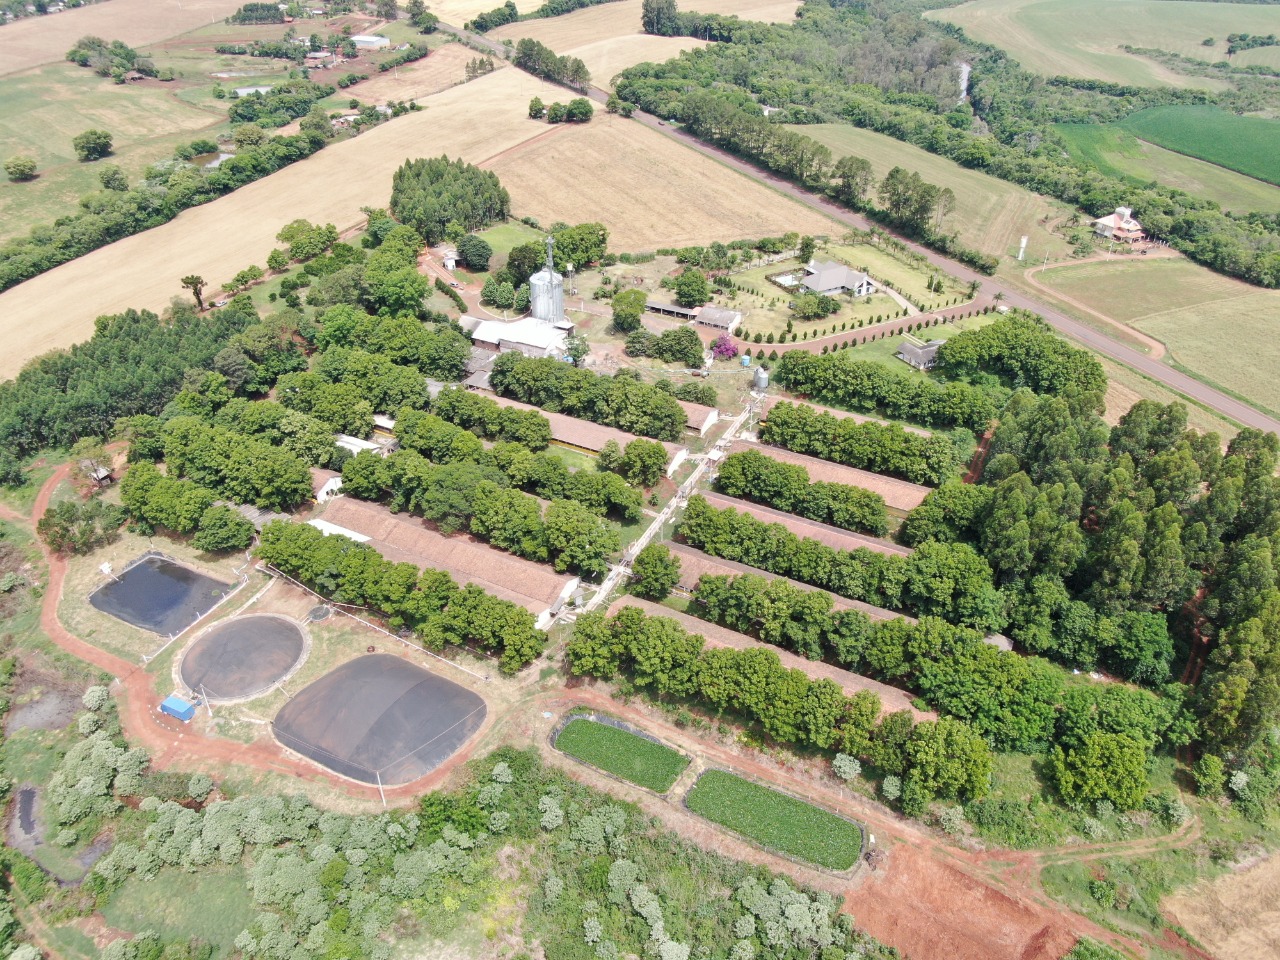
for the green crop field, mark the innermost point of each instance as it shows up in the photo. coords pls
(990, 214)
(1249, 145)
(1113, 150)
(776, 820)
(623, 754)
(1083, 38)
(213, 905)
(1217, 328)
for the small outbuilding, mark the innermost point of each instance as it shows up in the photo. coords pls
(178, 708)
(918, 354)
(719, 318)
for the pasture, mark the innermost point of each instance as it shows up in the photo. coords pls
(1248, 145)
(990, 215)
(1115, 151)
(649, 190)
(1219, 329)
(642, 762)
(214, 905)
(35, 40)
(1234, 915)
(1083, 38)
(42, 110)
(776, 820)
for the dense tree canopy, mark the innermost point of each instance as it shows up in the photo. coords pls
(430, 194)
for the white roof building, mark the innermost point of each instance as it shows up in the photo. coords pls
(364, 41)
(529, 336)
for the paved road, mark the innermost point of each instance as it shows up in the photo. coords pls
(1175, 380)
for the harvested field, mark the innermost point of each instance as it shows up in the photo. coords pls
(1200, 316)
(607, 58)
(622, 753)
(218, 239)
(1083, 38)
(891, 698)
(990, 214)
(1237, 916)
(649, 190)
(443, 69)
(36, 40)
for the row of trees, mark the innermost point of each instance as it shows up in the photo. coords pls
(950, 581)
(1022, 351)
(785, 486)
(541, 61)
(681, 345)
(238, 467)
(840, 380)
(620, 401)
(429, 602)
(937, 759)
(881, 448)
(182, 506)
(440, 352)
(431, 194)
(285, 101)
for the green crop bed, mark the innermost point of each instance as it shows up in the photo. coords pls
(1248, 145)
(776, 820)
(623, 754)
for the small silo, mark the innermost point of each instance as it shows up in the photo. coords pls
(760, 382)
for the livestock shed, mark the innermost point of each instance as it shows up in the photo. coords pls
(583, 434)
(719, 318)
(671, 310)
(325, 484)
(700, 418)
(403, 539)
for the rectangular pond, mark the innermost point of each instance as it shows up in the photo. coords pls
(159, 595)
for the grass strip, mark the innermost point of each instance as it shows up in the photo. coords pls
(623, 754)
(776, 820)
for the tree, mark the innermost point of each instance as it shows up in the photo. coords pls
(805, 251)
(628, 308)
(92, 145)
(388, 9)
(1211, 776)
(20, 169)
(655, 571)
(524, 261)
(222, 528)
(277, 260)
(643, 462)
(579, 110)
(113, 178)
(948, 759)
(578, 539)
(196, 285)
(691, 288)
(1104, 766)
(474, 252)
(659, 17)
(577, 348)
(853, 178)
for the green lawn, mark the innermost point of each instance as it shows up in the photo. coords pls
(623, 754)
(213, 904)
(990, 215)
(1114, 150)
(1248, 145)
(776, 820)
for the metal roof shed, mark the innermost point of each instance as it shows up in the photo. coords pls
(176, 707)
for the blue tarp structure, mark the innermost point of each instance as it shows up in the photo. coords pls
(175, 706)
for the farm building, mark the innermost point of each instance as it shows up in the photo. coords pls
(701, 419)
(587, 436)
(831, 278)
(1119, 226)
(528, 335)
(835, 537)
(719, 318)
(96, 473)
(898, 495)
(918, 354)
(717, 636)
(365, 42)
(247, 91)
(383, 425)
(546, 290)
(770, 403)
(325, 484)
(399, 538)
(671, 310)
(383, 447)
(694, 565)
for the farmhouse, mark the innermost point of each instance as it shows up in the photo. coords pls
(831, 278)
(1119, 226)
(528, 335)
(701, 419)
(719, 318)
(717, 636)
(918, 354)
(898, 495)
(402, 539)
(365, 42)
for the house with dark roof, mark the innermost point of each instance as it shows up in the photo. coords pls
(831, 278)
(918, 354)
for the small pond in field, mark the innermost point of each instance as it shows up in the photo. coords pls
(159, 595)
(210, 161)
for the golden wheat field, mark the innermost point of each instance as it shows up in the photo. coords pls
(32, 41)
(649, 190)
(445, 68)
(1237, 916)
